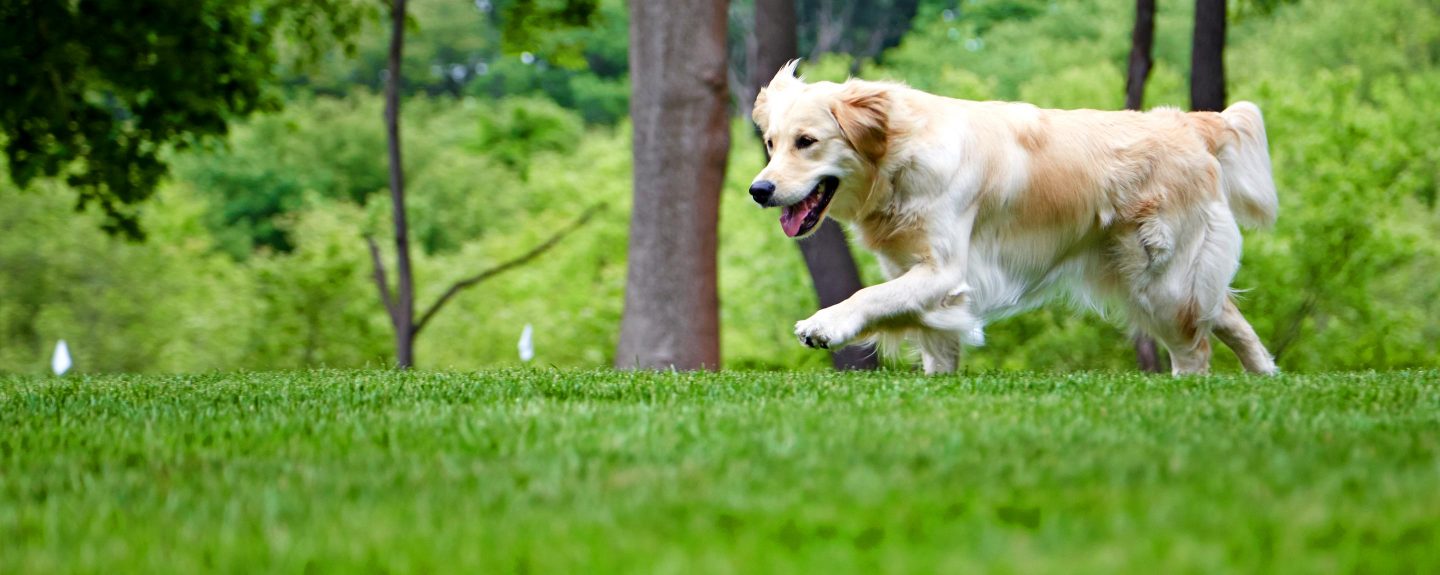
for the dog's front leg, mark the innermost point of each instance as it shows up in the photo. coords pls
(940, 274)
(922, 287)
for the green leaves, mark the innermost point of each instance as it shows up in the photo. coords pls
(529, 25)
(96, 91)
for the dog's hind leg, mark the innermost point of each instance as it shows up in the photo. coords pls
(939, 350)
(1180, 330)
(1232, 329)
(1190, 359)
(1182, 304)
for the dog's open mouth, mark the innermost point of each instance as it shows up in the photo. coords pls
(800, 217)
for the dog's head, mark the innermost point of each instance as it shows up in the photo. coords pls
(825, 142)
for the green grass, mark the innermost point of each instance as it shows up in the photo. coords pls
(733, 472)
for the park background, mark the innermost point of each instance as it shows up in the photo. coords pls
(254, 256)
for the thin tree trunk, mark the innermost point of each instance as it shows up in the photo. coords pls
(402, 313)
(681, 137)
(1141, 48)
(827, 254)
(886, 34)
(1207, 57)
(1142, 41)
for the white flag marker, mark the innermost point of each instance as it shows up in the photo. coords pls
(60, 362)
(527, 343)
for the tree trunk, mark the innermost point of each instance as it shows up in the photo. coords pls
(402, 312)
(681, 137)
(886, 34)
(1141, 47)
(776, 41)
(827, 254)
(1142, 41)
(1207, 57)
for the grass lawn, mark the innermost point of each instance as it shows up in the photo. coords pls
(573, 471)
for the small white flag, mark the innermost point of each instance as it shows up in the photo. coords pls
(60, 362)
(527, 343)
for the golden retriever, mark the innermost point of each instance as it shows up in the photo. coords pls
(980, 210)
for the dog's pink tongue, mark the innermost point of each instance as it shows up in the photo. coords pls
(791, 218)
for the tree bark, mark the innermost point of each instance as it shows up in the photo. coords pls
(776, 40)
(827, 254)
(1142, 42)
(1207, 57)
(678, 108)
(886, 34)
(403, 310)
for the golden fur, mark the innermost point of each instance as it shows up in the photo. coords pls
(978, 210)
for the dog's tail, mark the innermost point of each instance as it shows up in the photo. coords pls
(1245, 167)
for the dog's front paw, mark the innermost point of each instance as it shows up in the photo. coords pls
(827, 328)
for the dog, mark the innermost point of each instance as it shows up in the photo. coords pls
(981, 210)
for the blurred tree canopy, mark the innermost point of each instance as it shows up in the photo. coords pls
(256, 259)
(97, 90)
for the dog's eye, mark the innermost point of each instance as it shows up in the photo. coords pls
(769, 143)
(804, 142)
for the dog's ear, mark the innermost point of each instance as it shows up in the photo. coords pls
(761, 112)
(863, 112)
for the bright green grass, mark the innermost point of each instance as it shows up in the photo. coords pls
(733, 472)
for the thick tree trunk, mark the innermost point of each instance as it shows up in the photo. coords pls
(827, 254)
(1142, 41)
(681, 131)
(1207, 57)
(402, 312)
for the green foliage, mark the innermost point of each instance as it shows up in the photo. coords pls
(1354, 171)
(257, 258)
(572, 295)
(171, 304)
(517, 130)
(573, 52)
(1012, 43)
(96, 91)
(528, 23)
(564, 471)
(316, 305)
(328, 150)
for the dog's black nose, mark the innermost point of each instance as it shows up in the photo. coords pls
(762, 190)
